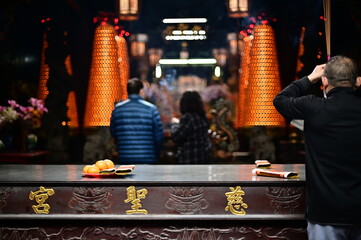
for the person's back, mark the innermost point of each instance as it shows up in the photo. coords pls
(332, 130)
(191, 134)
(192, 139)
(137, 130)
(332, 137)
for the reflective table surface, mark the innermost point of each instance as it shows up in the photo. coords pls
(147, 174)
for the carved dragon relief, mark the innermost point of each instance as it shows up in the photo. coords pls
(168, 233)
(224, 136)
(269, 233)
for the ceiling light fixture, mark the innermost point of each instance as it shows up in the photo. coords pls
(193, 61)
(186, 37)
(188, 32)
(185, 20)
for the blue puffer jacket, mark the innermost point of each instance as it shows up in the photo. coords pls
(137, 130)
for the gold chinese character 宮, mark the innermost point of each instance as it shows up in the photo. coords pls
(40, 197)
(235, 201)
(134, 197)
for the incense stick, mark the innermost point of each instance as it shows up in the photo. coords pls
(327, 19)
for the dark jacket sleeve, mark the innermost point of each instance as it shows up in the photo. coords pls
(180, 133)
(290, 102)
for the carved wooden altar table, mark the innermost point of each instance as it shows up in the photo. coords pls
(206, 202)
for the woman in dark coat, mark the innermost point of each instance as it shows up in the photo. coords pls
(190, 133)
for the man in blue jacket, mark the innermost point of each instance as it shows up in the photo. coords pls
(332, 130)
(136, 128)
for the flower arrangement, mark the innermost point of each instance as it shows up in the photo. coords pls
(30, 114)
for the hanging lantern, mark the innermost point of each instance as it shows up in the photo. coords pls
(234, 43)
(155, 54)
(138, 44)
(184, 53)
(104, 81)
(220, 54)
(264, 81)
(238, 8)
(128, 10)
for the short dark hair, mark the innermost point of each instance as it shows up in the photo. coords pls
(191, 102)
(134, 86)
(341, 71)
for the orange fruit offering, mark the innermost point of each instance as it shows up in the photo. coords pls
(93, 169)
(101, 164)
(109, 163)
(85, 168)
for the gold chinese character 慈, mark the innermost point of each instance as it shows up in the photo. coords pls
(134, 197)
(235, 201)
(40, 197)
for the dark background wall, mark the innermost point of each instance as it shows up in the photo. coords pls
(21, 33)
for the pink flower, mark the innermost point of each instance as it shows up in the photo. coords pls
(31, 114)
(13, 103)
(38, 105)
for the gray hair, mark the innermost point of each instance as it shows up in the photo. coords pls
(341, 71)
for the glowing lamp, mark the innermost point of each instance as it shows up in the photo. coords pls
(128, 10)
(138, 44)
(104, 87)
(234, 43)
(220, 55)
(44, 73)
(155, 54)
(72, 112)
(43, 91)
(243, 81)
(237, 8)
(263, 81)
(184, 54)
(123, 66)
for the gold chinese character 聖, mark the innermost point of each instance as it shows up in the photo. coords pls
(40, 197)
(134, 197)
(235, 201)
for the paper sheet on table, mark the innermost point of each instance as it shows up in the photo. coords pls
(270, 173)
(124, 169)
(262, 164)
